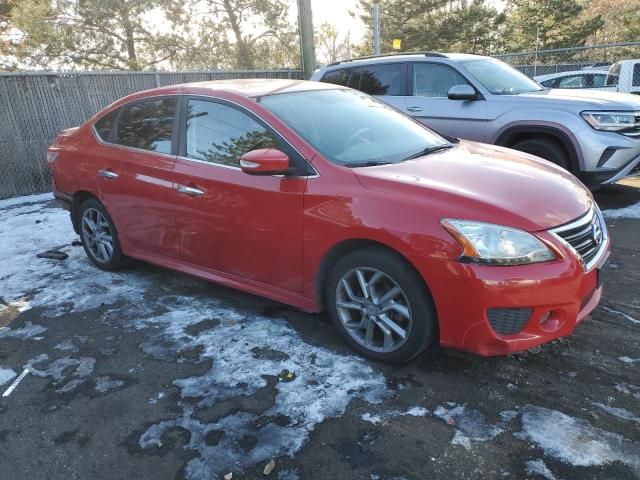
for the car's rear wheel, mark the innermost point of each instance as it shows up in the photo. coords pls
(381, 305)
(545, 148)
(99, 237)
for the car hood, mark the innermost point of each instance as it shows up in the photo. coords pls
(486, 183)
(583, 98)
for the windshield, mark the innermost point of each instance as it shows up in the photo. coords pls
(500, 78)
(351, 128)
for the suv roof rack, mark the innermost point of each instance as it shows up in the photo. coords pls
(426, 54)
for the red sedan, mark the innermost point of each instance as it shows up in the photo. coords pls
(322, 197)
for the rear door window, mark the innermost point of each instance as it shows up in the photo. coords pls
(147, 125)
(338, 77)
(382, 79)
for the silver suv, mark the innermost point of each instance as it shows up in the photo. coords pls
(595, 135)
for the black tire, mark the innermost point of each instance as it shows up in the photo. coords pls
(547, 149)
(117, 260)
(423, 331)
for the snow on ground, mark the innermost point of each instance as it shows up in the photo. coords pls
(377, 419)
(575, 441)
(6, 375)
(538, 467)
(60, 286)
(246, 352)
(632, 211)
(470, 425)
(10, 202)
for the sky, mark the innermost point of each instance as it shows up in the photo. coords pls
(336, 12)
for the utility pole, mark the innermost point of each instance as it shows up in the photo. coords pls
(307, 43)
(376, 28)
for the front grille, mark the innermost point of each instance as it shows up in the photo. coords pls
(507, 321)
(586, 236)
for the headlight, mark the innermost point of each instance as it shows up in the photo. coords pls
(613, 121)
(496, 245)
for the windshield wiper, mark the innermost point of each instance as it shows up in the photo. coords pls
(429, 150)
(368, 163)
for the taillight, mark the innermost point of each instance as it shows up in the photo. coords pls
(51, 157)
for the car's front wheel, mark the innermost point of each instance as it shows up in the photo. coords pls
(98, 235)
(381, 305)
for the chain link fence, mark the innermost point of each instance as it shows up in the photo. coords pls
(591, 65)
(34, 107)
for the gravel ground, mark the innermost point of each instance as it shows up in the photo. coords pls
(150, 374)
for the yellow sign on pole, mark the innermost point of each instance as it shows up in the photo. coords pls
(397, 43)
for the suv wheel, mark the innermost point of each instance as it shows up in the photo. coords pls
(380, 305)
(544, 148)
(99, 237)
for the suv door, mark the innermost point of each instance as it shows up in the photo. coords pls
(228, 221)
(135, 165)
(427, 100)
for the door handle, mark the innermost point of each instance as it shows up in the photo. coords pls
(189, 190)
(107, 174)
(414, 109)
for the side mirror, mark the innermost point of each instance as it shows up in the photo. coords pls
(265, 161)
(462, 92)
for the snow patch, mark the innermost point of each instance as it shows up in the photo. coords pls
(382, 417)
(632, 211)
(11, 202)
(325, 383)
(106, 384)
(538, 467)
(60, 371)
(575, 441)
(27, 331)
(53, 284)
(6, 375)
(470, 424)
(626, 359)
(621, 413)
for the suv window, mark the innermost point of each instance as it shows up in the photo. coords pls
(573, 81)
(598, 79)
(373, 79)
(147, 125)
(339, 77)
(636, 75)
(218, 133)
(434, 80)
(613, 75)
(104, 126)
(380, 79)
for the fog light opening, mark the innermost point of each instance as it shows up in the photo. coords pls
(544, 318)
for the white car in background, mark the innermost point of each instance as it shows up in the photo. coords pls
(623, 76)
(587, 78)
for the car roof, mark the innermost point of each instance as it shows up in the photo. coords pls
(402, 57)
(248, 87)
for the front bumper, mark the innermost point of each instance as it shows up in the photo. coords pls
(560, 291)
(607, 156)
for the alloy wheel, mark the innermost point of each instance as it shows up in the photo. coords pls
(97, 235)
(373, 309)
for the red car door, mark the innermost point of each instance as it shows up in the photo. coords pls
(229, 221)
(135, 167)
